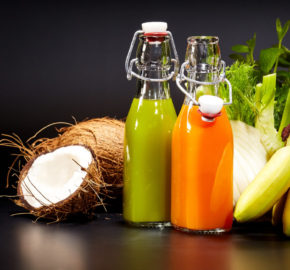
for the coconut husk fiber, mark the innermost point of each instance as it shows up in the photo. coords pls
(104, 138)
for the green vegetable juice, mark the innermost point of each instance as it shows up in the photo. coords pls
(147, 160)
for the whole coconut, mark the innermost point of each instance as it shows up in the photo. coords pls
(74, 172)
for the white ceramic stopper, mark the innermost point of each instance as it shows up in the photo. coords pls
(150, 27)
(210, 104)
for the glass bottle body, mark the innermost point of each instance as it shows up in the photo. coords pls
(202, 172)
(202, 163)
(147, 150)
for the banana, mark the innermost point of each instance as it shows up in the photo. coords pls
(286, 216)
(277, 211)
(266, 189)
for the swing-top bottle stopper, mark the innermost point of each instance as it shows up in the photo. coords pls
(210, 107)
(154, 27)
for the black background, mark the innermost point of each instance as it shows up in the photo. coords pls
(62, 59)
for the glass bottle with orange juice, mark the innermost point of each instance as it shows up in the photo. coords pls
(202, 144)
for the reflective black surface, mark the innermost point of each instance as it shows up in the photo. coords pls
(107, 243)
(64, 58)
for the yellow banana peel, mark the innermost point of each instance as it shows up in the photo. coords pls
(286, 216)
(277, 211)
(266, 189)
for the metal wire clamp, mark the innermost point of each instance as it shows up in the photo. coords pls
(130, 63)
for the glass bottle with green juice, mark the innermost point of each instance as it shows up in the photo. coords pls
(149, 124)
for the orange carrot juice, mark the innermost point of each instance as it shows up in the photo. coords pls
(202, 172)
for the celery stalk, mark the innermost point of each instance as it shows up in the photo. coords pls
(258, 93)
(286, 114)
(264, 121)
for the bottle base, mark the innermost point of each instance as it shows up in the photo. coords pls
(209, 231)
(157, 225)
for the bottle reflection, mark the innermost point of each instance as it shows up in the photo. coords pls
(200, 252)
(144, 249)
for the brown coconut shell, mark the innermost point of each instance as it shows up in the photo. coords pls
(104, 138)
(83, 200)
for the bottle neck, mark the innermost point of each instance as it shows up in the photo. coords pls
(154, 62)
(153, 90)
(197, 90)
(204, 63)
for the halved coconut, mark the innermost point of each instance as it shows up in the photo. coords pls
(60, 183)
(73, 172)
(55, 176)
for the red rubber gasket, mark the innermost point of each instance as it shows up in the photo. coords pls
(210, 115)
(155, 36)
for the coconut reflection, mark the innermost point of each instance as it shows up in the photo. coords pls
(49, 247)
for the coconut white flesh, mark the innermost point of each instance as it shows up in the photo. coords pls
(53, 177)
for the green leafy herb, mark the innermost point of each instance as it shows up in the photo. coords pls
(285, 74)
(248, 49)
(281, 32)
(237, 57)
(284, 59)
(271, 60)
(243, 80)
(241, 48)
(251, 43)
(268, 58)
